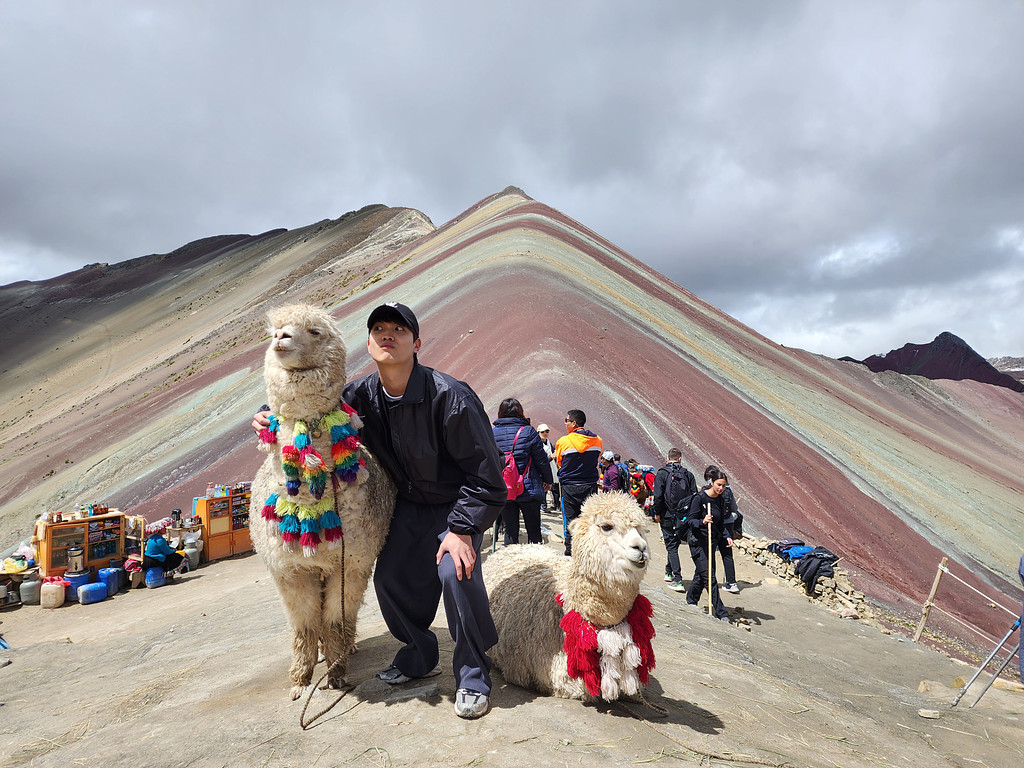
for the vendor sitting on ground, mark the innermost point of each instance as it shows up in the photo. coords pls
(158, 552)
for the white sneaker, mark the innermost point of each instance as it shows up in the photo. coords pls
(731, 588)
(471, 704)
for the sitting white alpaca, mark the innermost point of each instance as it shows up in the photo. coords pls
(577, 628)
(321, 504)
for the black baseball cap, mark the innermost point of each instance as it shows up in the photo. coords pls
(395, 312)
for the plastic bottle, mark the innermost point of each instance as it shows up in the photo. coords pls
(51, 594)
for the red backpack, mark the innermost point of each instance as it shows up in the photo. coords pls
(513, 479)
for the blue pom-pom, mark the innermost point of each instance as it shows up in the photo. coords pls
(289, 524)
(330, 519)
(310, 525)
(301, 441)
(274, 423)
(293, 487)
(271, 500)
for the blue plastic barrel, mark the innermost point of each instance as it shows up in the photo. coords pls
(155, 578)
(111, 578)
(75, 580)
(92, 593)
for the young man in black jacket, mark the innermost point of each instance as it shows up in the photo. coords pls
(432, 435)
(674, 487)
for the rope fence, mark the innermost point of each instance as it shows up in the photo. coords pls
(944, 569)
(964, 624)
(930, 603)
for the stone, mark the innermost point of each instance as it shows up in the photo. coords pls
(931, 714)
(1007, 685)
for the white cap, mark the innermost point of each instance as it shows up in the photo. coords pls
(543, 428)
(608, 455)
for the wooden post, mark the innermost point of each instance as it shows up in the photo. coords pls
(927, 607)
(711, 556)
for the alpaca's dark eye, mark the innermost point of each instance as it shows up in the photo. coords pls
(607, 526)
(314, 332)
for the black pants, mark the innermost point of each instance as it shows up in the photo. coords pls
(573, 497)
(728, 562)
(409, 584)
(531, 516)
(171, 562)
(555, 496)
(699, 554)
(670, 536)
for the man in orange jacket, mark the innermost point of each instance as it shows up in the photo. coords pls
(576, 454)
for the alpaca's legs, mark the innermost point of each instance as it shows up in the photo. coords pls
(301, 591)
(357, 578)
(336, 641)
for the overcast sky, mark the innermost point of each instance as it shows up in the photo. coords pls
(843, 178)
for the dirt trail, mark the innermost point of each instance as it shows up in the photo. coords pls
(195, 674)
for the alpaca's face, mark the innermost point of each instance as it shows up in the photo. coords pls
(298, 345)
(616, 546)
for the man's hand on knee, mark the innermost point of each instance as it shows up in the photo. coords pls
(460, 547)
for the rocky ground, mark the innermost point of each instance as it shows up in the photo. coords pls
(195, 674)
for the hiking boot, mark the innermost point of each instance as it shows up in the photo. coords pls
(732, 587)
(677, 586)
(394, 676)
(471, 704)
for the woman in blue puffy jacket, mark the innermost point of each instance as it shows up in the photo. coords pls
(158, 552)
(532, 463)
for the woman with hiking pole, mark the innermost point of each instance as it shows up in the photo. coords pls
(705, 529)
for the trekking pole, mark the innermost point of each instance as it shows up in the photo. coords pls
(997, 674)
(710, 555)
(985, 664)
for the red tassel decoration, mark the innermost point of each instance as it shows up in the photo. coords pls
(580, 648)
(642, 629)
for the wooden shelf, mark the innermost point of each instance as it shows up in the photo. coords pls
(220, 516)
(55, 538)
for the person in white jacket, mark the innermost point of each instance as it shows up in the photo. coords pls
(549, 448)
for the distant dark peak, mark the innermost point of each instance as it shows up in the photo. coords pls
(512, 190)
(946, 357)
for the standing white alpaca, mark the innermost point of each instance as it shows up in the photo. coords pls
(577, 628)
(321, 503)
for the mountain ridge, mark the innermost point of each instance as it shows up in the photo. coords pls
(947, 356)
(142, 399)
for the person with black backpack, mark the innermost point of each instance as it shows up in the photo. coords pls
(733, 526)
(674, 487)
(707, 510)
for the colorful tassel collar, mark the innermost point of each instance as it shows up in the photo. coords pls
(301, 525)
(583, 648)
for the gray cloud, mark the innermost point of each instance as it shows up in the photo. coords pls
(842, 178)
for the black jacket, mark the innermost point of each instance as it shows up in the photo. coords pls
(436, 443)
(661, 480)
(695, 520)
